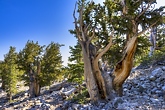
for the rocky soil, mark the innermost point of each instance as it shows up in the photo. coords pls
(143, 90)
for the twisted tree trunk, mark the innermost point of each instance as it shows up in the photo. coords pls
(123, 68)
(101, 85)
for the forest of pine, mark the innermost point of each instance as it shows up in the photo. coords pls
(112, 40)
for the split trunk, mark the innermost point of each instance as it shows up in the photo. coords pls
(101, 85)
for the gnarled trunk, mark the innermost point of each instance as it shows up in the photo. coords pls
(99, 84)
(123, 68)
(104, 81)
(34, 87)
(89, 75)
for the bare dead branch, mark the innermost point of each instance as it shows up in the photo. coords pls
(75, 22)
(100, 54)
(81, 16)
(89, 40)
(88, 27)
(81, 23)
(74, 12)
(149, 4)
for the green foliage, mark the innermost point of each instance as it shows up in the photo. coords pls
(82, 97)
(110, 17)
(144, 45)
(51, 64)
(75, 69)
(27, 58)
(142, 49)
(115, 52)
(49, 59)
(75, 72)
(9, 72)
(76, 54)
(158, 56)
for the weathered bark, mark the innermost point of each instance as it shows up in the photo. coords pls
(58, 86)
(99, 79)
(34, 87)
(37, 85)
(123, 68)
(99, 84)
(104, 82)
(31, 84)
(89, 75)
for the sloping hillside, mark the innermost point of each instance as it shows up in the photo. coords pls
(144, 89)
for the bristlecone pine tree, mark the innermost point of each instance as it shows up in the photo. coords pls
(10, 72)
(97, 26)
(51, 63)
(26, 62)
(41, 66)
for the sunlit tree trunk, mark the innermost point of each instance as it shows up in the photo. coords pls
(123, 68)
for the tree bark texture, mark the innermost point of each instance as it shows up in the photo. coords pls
(123, 67)
(37, 85)
(31, 83)
(89, 76)
(99, 84)
(34, 87)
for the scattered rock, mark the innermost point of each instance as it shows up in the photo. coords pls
(117, 101)
(152, 78)
(143, 90)
(75, 106)
(156, 72)
(163, 68)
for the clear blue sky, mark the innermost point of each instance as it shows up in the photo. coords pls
(38, 20)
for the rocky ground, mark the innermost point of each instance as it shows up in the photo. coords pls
(143, 90)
